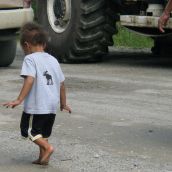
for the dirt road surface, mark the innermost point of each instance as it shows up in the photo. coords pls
(121, 119)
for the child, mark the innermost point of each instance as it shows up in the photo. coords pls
(42, 90)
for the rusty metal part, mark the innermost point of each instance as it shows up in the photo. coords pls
(142, 21)
(145, 25)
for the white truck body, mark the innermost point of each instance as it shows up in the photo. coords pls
(12, 14)
(146, 17)
(15, 18)
(12, 17)
(10, 3)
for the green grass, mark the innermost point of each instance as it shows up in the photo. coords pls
(34, 6)
(125, 38)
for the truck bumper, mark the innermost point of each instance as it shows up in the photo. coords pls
(142, 21)
(15, 18)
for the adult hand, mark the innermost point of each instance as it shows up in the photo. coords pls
(66, 107)
(12, 104)
(163, 21)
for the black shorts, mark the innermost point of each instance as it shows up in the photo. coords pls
(36, 126)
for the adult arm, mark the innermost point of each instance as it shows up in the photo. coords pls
(165, 16)
(26, 3)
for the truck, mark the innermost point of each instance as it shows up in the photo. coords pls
(82, 30)
(12, 17)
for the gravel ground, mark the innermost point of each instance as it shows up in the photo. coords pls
(121, 120)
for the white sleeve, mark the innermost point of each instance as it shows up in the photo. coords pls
(28, 68)
(61, 75)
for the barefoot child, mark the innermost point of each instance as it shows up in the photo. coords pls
(42, 90)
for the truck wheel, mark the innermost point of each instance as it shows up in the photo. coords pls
(79, 30)
(7, 52)
(162, 46)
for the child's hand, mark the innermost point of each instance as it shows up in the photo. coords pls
(12, 104)
(66, 107)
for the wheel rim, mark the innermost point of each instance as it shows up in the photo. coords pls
(59, 14)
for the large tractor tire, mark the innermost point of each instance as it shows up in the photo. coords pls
(7, 52)
(162, 46)
(80, 30)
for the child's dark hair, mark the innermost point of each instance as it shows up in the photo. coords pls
(33, 34)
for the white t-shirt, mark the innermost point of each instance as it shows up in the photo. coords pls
(44, 95)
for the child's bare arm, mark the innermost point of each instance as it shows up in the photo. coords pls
(28, 82)
(63, 105)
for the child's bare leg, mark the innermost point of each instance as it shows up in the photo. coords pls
(46, 149)
(41, 154)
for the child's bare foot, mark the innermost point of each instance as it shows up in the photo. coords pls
(45, 159)
(43, 163)
(38, 162)
(46, 150)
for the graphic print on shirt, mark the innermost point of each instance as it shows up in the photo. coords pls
(48, 77)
